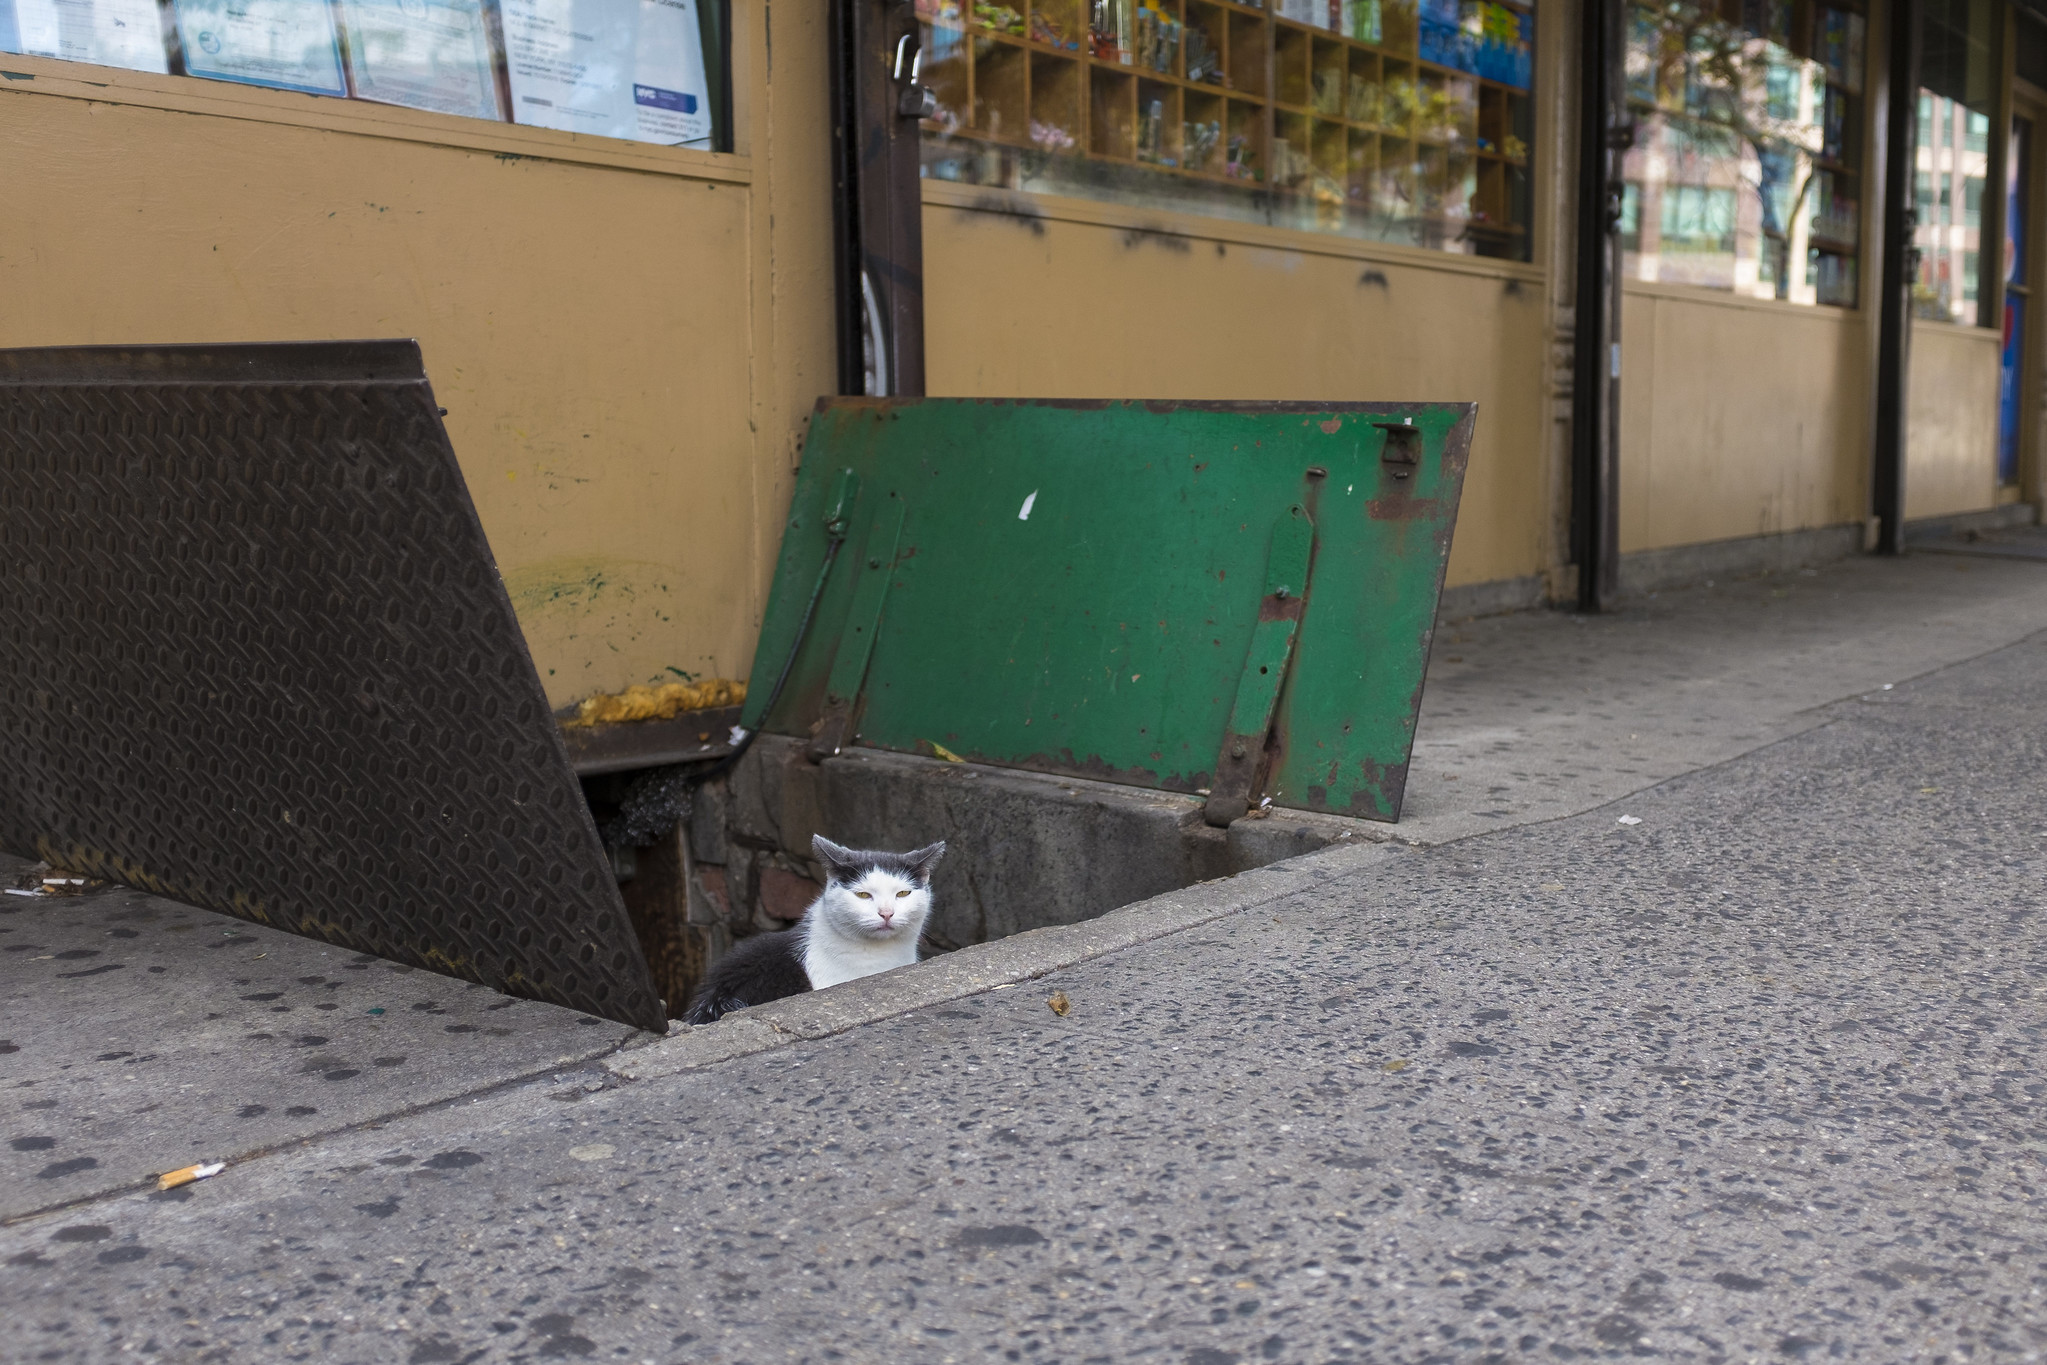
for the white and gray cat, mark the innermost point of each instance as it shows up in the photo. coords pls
(867, 920)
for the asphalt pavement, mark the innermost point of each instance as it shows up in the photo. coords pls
(1742, 1067)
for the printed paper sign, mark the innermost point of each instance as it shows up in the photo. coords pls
(126, 33)
(290, 44)
(616, 68)
(423, 54)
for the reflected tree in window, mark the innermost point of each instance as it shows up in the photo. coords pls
(1742, 175)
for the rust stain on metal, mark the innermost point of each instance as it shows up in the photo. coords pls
(1386, 781)
(1097, 769)
(1275, 607)
(1397, 506)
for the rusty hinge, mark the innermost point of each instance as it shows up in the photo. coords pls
(1403, 449)
(1241, 766)
(863, 620)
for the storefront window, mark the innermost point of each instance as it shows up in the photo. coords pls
(1951, 152)
(1391, 120)
(1746, 170)
(643, 70)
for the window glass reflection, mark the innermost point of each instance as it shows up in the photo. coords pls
(1958, 71)
(1745, 174)
(1953, 165)
(126, 33)
(643, 70)
(1397, 120)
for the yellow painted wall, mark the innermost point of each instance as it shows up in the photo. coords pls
(629, 338)
(624, 343)
(1951, 432)
(1738, 418)
(1031, 296)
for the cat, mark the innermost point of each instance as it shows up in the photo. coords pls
(867, 920)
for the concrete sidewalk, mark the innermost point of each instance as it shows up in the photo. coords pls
(141, 1036)
(1543, 714)
(1232, 1106)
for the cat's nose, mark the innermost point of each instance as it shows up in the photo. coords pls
(887, 916)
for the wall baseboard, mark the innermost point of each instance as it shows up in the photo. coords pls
(1990, 519)
(1496, 598)
(1680, 566)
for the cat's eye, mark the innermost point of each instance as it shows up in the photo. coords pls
(902, 893)
(865, 895)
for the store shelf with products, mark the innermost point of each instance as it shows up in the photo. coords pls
(1327, 108)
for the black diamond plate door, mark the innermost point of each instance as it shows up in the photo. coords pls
(255, 656)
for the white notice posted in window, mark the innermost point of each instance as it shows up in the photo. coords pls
(423, 54)
(290, 44)
(127, 33)
(617, 68)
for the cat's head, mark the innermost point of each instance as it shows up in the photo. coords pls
(875, 897)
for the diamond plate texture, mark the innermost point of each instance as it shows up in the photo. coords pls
(255, 656)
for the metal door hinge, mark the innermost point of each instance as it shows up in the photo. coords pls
(1240, 767)
(1403, 449)
(863, 621)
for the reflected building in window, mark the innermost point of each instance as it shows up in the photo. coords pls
(1951, 158)
(1745, 173)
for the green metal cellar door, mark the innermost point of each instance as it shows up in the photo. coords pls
(1225, 598)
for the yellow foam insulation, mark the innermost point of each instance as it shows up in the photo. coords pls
(641, 702)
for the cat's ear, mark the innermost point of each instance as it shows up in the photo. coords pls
(840, 862)
(921, 861)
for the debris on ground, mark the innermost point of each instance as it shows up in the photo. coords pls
(45, 880)
(1059, 1003)
(1630, 820)
(653, 803)
(948, 755)
(170, 1180)
(641, 702)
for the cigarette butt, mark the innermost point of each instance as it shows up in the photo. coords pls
(170, 1180)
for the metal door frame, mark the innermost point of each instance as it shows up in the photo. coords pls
(1604, 134)
(877, 104)
(2029, 102)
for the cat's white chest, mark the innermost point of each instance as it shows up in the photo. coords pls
(829, 959)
